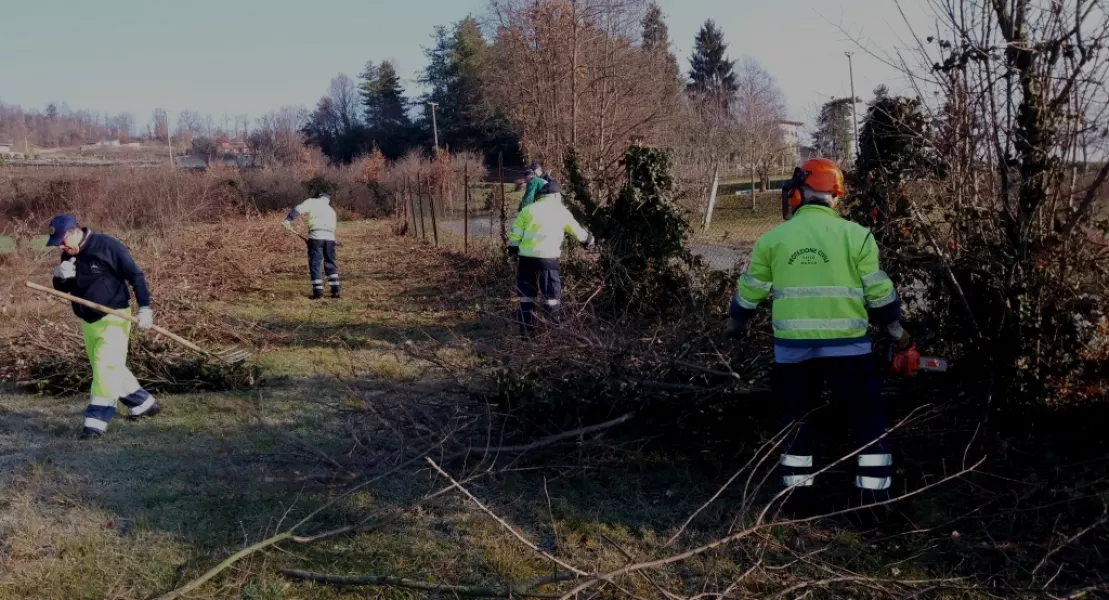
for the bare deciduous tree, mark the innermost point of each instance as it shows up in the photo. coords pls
(345, 101)
(571, 74)
(758, 110)
(160, 121)
(1007, 208)
(276, 139)
(190, 125)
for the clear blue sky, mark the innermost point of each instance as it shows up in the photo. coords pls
(249, 56)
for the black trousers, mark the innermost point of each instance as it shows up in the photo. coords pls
(854, 383)
(536, 276)
(322, 251)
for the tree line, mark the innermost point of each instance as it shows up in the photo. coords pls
(527, 80)
(531, 80)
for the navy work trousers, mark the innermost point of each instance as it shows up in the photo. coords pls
(535, 276)
(322, 251)
(855, 384)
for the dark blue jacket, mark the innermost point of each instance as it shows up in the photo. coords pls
(104, 268)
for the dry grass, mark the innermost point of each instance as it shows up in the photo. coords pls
(357, 387)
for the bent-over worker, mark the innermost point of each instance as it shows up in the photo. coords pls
(97, 268)
(322, 223)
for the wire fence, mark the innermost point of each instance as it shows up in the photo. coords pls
(480, 215)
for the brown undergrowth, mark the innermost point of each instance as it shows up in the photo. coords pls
(186, 268)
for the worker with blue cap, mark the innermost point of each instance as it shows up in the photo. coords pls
(98, 268)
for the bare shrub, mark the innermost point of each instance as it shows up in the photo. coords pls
(989, 197)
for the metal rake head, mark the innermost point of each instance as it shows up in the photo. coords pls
(233, 355)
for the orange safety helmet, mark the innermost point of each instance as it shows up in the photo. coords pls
(817, 174)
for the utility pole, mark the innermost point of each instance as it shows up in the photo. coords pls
(169, 140)
(434, 126)
(854, 113)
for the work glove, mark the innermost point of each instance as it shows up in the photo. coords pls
(734, 329)
(287, 225)
(66, 270)
(590, 242)
(899, 337)
(513, 252)
(146, 317)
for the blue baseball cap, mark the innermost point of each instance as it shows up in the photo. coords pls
(59, 226)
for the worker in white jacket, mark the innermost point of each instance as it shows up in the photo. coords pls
(321, 241)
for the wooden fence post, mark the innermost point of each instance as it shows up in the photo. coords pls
(420, 206)
(431, 203)
(466, 207)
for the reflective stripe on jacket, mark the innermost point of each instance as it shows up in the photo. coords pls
(822, 272)
(540, 227)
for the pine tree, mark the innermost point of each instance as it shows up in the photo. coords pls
(385, 111)
(453, 75)
(656, 40)
(712, 74)
(833, 135)
(383, 99)
(439, 77)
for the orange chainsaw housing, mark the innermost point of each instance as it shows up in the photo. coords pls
(905, 362)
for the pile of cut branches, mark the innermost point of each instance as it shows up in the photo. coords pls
(40, 341)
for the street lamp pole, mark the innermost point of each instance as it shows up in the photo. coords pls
(854, 113)
(434, 125)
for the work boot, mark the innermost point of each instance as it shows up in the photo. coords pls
(316, 295)
(90, 434)
(335, 294)
(150, 412)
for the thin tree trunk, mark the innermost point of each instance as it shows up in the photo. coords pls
(574, 78)
(466, 208)
(712, 197)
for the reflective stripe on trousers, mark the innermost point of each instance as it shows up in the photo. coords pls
(854, 382)
(106, 346)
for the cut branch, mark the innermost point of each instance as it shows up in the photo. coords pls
(522, 589)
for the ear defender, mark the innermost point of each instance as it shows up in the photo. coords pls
(791, 193)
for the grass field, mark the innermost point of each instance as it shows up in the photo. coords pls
(9, 244)
(355, 390)
(157, 502)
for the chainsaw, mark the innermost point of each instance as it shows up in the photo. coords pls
(908, 362)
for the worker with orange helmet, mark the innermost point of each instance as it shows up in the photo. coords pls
(827, 287)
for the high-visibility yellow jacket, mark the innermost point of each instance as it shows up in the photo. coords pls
(541, 226)
(823, 274)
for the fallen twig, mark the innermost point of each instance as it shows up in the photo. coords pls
(289, 535)
(509, 528)
(759, 525)
(522, 589)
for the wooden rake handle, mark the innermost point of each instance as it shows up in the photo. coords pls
(305, 238)
(122, 315)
